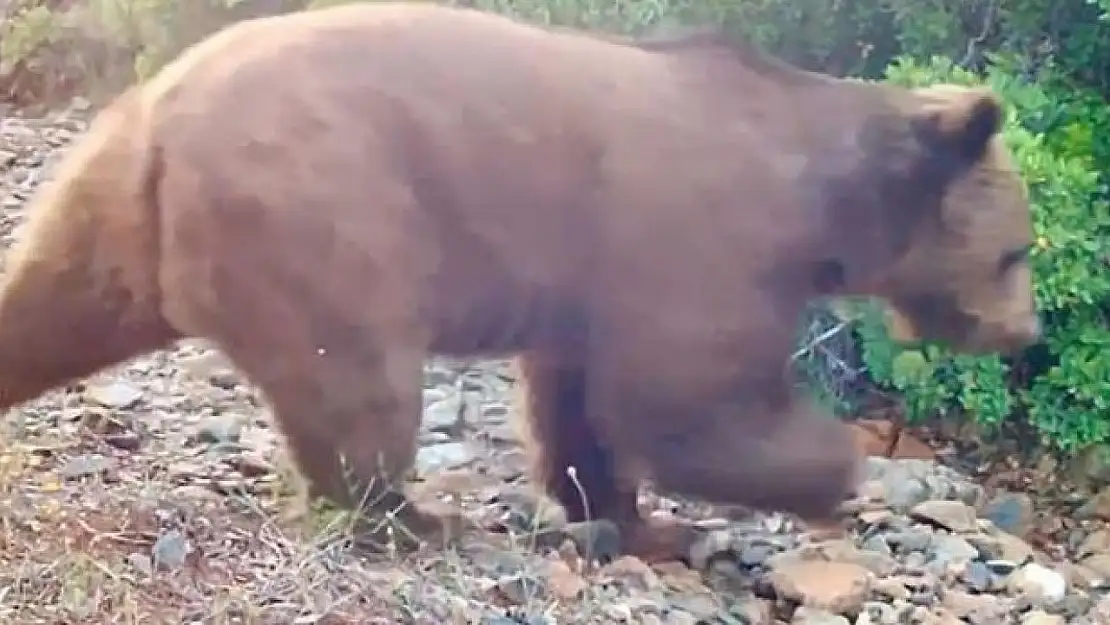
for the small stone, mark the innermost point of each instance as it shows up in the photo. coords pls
(975, 608)
(876, 518)
(86, 465)
(753, 612)
(105, 422)
(170, 551)
(878, 563)
(945, 551)
(979, 577)
(954, 516)
(141, 563)
(186, 469)
(252, 464)
(211, 367)
(1011, 512)
(910, 540)
(117, 395)
(517, 589)
(195, 492)
(1096, 542)
(837, 587)
(1072, 606)
(595, 540)
(223, 430)
(445, 415)
(127, 441)
(632, 572)
(753, 555)
(808, 616)
(1102, 610)
(562, 582)
(1002, 546)
(674, 617)
(1038, 582)
(903, 494)
(1096, 507)
(618, 612)
(494, 412)
(891, 588)
(1099, 563)
(709, 546)
(443, 456)
(1040, 617)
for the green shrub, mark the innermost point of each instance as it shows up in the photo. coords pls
(1062, 387)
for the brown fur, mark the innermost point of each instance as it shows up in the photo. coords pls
(332, 196)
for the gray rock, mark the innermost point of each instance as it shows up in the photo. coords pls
(948, 550)
(909, 540)
(902, 494)
(1099, 563)
(1010, 512)
(1040, 617)
(221, 430)
(836, 587)
(141, 563)
(119, 395)
(756, 554)
(878, 563)
(1096, 507)
(494, 412)
(877, 544)
(170, 551)
(444, 415)
(955, 516)
(443, 456)
(1002, 546)
(1072, 606)
(1038, 582)
(807, 616)
(980, 578)
(87, 465)
(438, 375)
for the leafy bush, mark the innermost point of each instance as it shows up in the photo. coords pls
(1062, 387)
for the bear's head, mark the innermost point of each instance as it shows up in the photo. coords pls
(943, 233)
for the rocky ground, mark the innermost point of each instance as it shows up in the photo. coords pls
(154, 493)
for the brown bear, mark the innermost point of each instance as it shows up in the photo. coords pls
(331, 196)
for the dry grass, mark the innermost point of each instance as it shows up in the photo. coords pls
(126, 545)
(102, 549)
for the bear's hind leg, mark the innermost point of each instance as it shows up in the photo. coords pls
(561, 437)
(350, 417)
(80, 290)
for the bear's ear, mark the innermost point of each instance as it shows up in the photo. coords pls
(957, 121)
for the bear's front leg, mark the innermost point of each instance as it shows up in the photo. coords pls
(760, 449)
(721, 425)
(577, 465)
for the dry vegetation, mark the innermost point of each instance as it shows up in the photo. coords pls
(94, 532)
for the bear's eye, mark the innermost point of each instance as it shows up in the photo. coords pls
(1012, 258)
